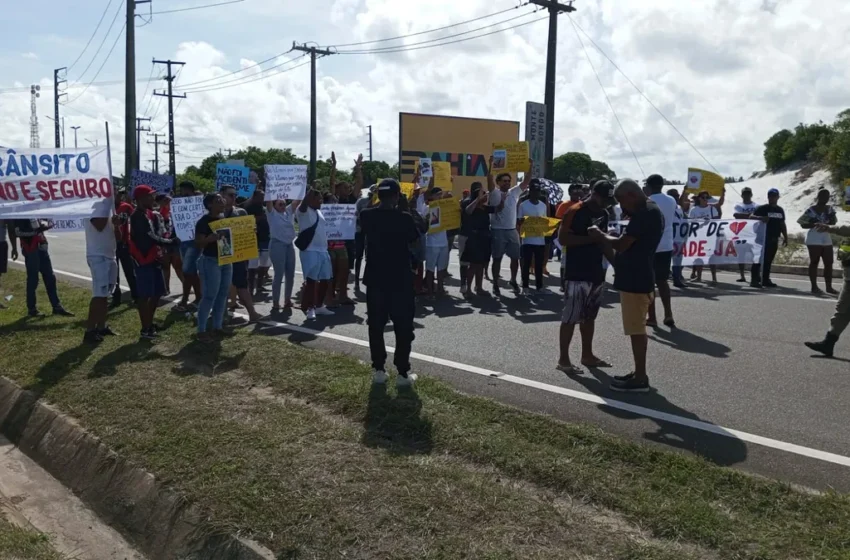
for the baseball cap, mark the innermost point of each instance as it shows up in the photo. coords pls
(605, 190)
(655, 181)
(142, 190)
(388, 186)
(773, 191)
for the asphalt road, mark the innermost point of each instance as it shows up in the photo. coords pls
(732, 383)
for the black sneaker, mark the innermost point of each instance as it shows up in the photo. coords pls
(35, 313)
(106, 331)
(92, 337)
(768, 284)
(630, 386)
(496, 290)
(825, 346)
(755, 285)
(148, 334)
(62, 312)
(622, 378)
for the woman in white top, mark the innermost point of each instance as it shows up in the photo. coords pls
(281, 220)
(819, 243)
(533, 248)
(315, 259)
(702, 210)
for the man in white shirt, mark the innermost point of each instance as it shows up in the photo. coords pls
(533, 248)
(743, 211)
(102, 236)
(503, 224)
(664, 252)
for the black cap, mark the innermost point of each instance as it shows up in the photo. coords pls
(605, 190)
(388, 187)
(655, 181)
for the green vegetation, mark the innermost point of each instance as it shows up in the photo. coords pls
(576, 167)
(296, 449)
(813, 143)
(22, 544)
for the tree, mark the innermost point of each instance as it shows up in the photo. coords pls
(374, 170)
(838, 153)
(774, 150)
(576, 167)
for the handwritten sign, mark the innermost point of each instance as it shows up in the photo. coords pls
(237, 176)
(539, 226)
(162, 184)
(67, 225)
(442, 175)
(443, 215)
(340, 220)
(239, 242)
(510, 157)
(286, 182)
(185, 213)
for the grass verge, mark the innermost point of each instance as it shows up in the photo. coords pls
(21, 544)
(293, 447)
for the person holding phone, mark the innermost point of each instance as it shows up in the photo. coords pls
(215, 277)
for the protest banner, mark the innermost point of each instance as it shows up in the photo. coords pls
(340, 221)
(847, 195)
(239, 242)
(237, 176)
(535, 135)
(162, 184)
(66, 225)
(538, 226)
(443, 215)
(510, 157)
(442, 175)
(700, 180)
(286, 182)
(60, 183)
(185, 213)
(707, 242)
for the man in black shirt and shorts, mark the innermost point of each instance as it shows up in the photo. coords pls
(634, 269)
(583, 275)
(773, 217)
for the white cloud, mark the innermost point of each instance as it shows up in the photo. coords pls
(29, 56)
(727, 74)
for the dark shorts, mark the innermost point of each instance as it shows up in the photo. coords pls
(150, 282)
(4, 257)
(240, 275)
(662, 266)
(477, 249)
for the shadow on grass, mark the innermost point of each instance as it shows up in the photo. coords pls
(396, 424)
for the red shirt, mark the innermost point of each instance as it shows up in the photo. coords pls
(124, 210)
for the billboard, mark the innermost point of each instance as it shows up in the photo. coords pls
(465, 143)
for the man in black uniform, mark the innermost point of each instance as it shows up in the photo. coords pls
(389, 281)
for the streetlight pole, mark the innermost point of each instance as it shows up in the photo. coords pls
(75, 128)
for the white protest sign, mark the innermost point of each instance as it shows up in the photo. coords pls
(185, 213)
(341, 221)
(717, 242)
(61, 183)
(286, 182)
(426, 168)
(66, 225)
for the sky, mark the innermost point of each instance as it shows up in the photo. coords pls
(727, 74)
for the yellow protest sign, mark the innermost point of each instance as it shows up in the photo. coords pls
(239, 240)
(442, 174)
(700, 180)
(847, 194)
(510, 157)
(539, 226)
(444, 215)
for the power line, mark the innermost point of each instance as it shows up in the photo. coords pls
(382, 49)
(94, 56)
(598, 79)
(191, 84)
(253, 80)
(103, 15)
(72, 86)
(215, 85)
(105, 60)
(432, 30)
(402, 49)
(147, 87)
(195, 7)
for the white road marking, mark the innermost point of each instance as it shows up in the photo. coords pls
(571, 393)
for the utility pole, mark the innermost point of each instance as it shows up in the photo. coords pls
(154, 164)
(130, 89)
(172, 166)
(313, 51)
(156, 144)
(56, 95)
(370, 142)
(555, 9)
(139, 130)
(34, 95)
(61, 141)
(75, 128)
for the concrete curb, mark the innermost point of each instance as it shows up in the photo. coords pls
(790, 269)
(157, 521)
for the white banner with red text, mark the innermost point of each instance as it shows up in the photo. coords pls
(707, 242)
(59, 183)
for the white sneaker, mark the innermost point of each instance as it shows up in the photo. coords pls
(379, 376)
(404, 382)
(324, 311)
(311, 314)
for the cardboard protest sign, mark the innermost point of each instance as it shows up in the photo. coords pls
(443, 215)
(237, 176)
(510, 157)
(67, 225)
(239, 242)
(162, 184)
(340, 221)
(707, 242)
(60, 183)
(700, 180)
(442, 175)
(539, 226)
(286, 182)
(185, 213)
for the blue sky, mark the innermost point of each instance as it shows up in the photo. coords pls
(728, 74)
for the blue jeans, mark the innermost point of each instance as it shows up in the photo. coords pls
(215, 285)
(38, 262)
(189, 253)
(283, 261)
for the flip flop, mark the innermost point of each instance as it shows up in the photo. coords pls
(597, 364)
(570, 369)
